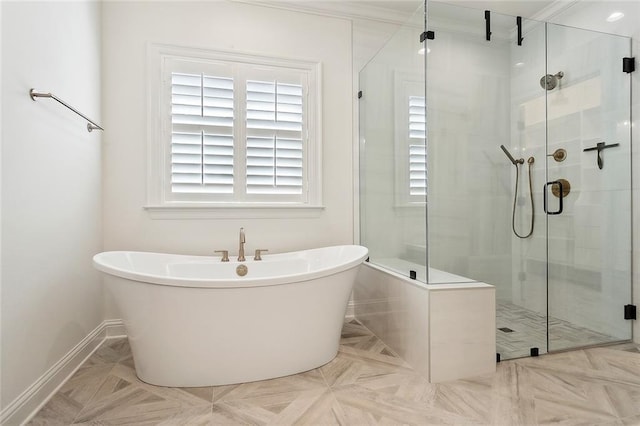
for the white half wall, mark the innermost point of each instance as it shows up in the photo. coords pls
(51, 190)
(128, 27)
(445, 332)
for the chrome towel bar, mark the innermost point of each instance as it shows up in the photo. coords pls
(91, 125)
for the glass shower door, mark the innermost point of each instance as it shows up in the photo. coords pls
(587, 194)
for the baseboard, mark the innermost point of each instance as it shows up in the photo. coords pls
(29, 402)
(115, 328)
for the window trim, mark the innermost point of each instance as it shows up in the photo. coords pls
(159, 206)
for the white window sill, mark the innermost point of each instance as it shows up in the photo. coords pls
(230, 211)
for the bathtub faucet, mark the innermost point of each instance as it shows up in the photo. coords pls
(241, 249)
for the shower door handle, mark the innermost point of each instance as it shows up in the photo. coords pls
(560, 197)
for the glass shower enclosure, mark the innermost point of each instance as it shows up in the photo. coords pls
(498, 149)
(393, 188)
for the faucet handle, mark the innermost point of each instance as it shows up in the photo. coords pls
(257, 255)
(225, 255)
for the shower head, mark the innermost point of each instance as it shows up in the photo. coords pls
(513, 160)
(550, 81)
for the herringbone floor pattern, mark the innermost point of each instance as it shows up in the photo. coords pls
(366, 384)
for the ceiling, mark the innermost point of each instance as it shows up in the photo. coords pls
(400, 10)
(524, 8)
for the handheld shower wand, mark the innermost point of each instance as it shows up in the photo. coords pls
(516, 163)
(513, 160)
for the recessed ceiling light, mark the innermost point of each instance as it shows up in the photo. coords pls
(615, 16)
(421, 51)
(519, 64)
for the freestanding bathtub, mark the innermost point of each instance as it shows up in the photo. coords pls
(193, 321)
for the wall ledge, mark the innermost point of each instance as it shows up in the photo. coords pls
(29, 402)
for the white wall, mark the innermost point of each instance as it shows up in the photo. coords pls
(127, 28)
(51, 191)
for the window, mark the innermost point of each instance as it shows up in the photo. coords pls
(233, 131)
(410, 139)
(417, 148)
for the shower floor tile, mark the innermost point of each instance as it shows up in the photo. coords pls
(366, 384)
(529, 330)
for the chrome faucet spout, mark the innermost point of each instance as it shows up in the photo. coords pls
(241, 248)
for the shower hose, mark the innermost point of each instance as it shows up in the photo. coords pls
(515, 198)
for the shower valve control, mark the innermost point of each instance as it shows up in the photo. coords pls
(559, 155)
(561, 185)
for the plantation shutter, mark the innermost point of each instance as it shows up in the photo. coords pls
(274, 151)
(201, 134)
(417, 147)
(236, 131)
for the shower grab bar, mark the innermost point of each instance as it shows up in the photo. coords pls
(91, 125)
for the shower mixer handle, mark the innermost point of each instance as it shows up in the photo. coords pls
(559, 155)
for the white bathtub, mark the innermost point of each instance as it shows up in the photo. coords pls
(192, 321)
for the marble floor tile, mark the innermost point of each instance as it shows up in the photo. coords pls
(366, 384)
(112, 351)
(365, 406)
(520, 329)
(59, 410)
